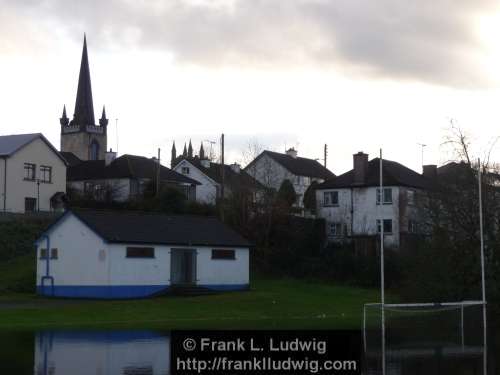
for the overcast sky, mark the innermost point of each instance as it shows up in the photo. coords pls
(355, 74)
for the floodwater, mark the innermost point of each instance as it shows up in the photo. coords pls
(415, 344)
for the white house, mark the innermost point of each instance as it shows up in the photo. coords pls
(123, 178)
(32, 174)
(272, 168)
(127, 254)
(352, 205)
(209, 175)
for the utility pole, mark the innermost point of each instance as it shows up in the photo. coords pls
(325, 154)
(422, 146)
(222, 176)
(158, 174)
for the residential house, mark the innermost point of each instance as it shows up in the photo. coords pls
(353, 205)
(127, 254)
(32, 174)
(209, 175)
(272, 168)
(121, 179)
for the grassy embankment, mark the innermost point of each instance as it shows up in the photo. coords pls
(271, 303)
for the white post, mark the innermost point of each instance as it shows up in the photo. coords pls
(382, 281)
(483, 283)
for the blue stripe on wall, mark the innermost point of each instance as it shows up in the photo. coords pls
(123, 291)
(102, 291)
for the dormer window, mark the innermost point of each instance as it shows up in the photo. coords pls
(185, 170)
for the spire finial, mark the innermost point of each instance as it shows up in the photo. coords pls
(184, 152)
(202, 152)
(190, 150)
(103, 121)
(64, 121)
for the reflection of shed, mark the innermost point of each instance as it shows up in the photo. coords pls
(127, 254)
(102, 352)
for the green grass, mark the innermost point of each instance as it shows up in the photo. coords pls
(270, 304)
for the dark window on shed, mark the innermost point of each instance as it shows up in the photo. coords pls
(140, 252)
(223, 254)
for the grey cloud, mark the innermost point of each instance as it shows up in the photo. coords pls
(429, 41)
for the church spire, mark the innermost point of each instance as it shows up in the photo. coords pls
(173, 155)
(190, 150)
(64, 121)
(202, 152)
(103, 121)
(84, 106)
(185, 153)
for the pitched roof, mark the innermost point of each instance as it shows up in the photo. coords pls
(126, 166)
(10, 144)
(297, 165)
(134, 227)
(71, 158)
(394, 174)
(231, 177)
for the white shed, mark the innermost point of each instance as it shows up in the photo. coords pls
(127, 254)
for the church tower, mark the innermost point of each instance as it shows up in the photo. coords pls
(82, 136)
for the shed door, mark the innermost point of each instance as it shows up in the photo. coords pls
(183, 266)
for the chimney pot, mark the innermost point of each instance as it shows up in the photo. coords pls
(235, 167)
(292, 152)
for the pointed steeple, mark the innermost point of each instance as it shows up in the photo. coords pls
(173, 155)
(64, 120)
(103, 121)
(202, 152)
(185, 153)
(84, 106)
(190, 150)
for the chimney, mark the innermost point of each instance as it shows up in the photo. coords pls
(430, 171)
(205, 163)
(292, 152)
(235, 167)
(360, 161)
(109, 156)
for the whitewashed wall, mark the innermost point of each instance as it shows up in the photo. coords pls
(36, 152)
(85, 260)
(272, 174)
(207, 191)
(365, 211)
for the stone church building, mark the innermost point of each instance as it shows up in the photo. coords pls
(82, 136)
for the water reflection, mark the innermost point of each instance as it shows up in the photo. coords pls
(100, 353)
(426, 346)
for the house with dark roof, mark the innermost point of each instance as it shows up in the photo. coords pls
(124, 178)
(352, 203)
(32, 174)
(210, 177)
(272, 168)
(131, 254)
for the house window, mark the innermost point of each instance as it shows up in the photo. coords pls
(45, 173)
(223, 254)
(412, 226)
(140, 252)
(185, 170)
(331, 198)
(335, 229)
(387, 226)
(29, 171)
(387, 196)
(410, 197)
(29, 204)
(53, 254)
